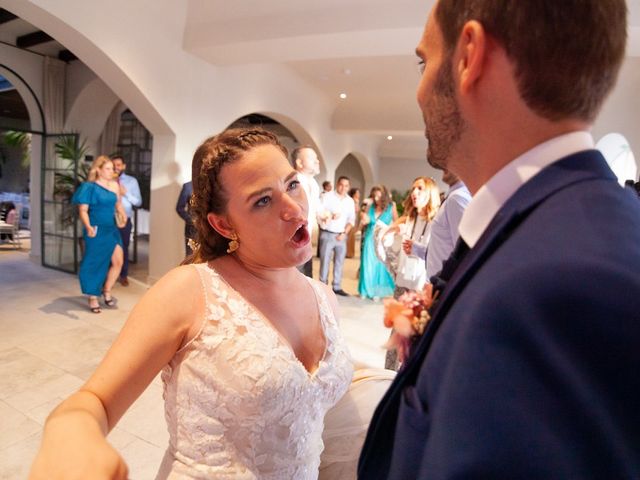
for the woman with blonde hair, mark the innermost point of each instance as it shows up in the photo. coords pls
(404, 244)
(248, 376)
(98, 201)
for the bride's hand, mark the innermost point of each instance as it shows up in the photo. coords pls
(73, 447)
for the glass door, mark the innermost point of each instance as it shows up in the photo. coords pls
(59, 217)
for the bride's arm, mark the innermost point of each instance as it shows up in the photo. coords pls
(74, 444)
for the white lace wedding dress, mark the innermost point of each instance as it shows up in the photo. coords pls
(238, 402)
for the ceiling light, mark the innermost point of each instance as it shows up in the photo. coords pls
(346, 71)
(389, 137)
(343, 96)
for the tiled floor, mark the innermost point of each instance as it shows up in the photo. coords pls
(50, 344)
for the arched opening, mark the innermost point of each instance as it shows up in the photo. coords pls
(289, 132)
(106, 83)
(351, 167)
(15, 161)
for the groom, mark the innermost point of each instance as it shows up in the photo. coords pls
(530, 366)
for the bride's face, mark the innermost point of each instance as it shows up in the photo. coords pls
(267, 208)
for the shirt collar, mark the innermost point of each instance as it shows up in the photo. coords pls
(493, 194)
(455, 187)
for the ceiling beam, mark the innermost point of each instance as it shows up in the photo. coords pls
(6, 16)
(32, 39)
(66, 56)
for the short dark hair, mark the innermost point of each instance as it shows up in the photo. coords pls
(566, 53)
(343, 177)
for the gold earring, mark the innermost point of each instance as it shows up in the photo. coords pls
(233, 243)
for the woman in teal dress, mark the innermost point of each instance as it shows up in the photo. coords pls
(98, 200)
(375, 280)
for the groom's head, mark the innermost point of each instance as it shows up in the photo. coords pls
(566, 54)
(501, 76)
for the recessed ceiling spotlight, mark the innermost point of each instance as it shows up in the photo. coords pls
(389, 137)
(343, 96)
(346, 71)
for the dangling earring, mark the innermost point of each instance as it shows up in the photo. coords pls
(233, 243)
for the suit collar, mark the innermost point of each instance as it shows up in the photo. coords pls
(501, 186)
(575, 168)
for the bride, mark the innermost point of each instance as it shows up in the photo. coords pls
(247, 378)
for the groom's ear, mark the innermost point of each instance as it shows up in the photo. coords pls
(221, 224)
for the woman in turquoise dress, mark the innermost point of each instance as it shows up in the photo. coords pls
(375, 280)
(98, 200)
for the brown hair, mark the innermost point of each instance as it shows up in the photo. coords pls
(385, 198)
(96, 165)
(566, 53)
(209, 195)
(431, 208)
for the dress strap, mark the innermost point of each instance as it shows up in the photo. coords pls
(326, 312)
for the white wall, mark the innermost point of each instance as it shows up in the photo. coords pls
(621, 111)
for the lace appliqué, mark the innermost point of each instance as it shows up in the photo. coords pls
(239, 404)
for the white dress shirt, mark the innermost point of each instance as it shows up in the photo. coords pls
(132, 198)
(444, 231)
(342, 208)
(493, 194)
(312, 189)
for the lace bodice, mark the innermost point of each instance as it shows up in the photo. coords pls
(238, 402)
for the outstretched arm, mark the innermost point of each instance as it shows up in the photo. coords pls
(74, 444)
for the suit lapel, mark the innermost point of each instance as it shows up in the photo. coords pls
(575, 168)
(582, 166)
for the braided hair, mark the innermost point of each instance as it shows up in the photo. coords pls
(209, 195)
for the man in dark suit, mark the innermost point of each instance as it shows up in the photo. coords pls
(182, 208)
(529, 366)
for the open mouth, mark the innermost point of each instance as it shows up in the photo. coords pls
(301, 237)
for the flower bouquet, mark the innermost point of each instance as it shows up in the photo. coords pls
(408, 316)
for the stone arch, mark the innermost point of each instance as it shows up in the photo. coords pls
(355, 166)
(300, 134)
(164, 183)
(90, 110)
(28, 96)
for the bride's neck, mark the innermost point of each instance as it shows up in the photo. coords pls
(252, 272)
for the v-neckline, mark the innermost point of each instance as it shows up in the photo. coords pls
(269, 325)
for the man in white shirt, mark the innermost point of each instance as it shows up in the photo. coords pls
(444, 228)
(305, 161)
(528, 367)
(336, 219)
(130, 197)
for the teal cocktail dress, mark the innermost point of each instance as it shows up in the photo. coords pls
(99, 249)
(375, 280)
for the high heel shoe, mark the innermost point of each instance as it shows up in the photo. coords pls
(109, 302)
(95, 309)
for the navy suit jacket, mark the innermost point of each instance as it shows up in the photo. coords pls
(530, 366)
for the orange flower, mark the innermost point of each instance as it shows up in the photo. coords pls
(408, 316)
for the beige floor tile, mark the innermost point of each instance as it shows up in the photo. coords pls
(39, 393)
(15, 426)
(16, 460)
(20, 370)
(143, 459)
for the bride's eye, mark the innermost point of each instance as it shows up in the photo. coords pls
(263, 201)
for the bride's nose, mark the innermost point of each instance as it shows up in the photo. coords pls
(291, 209)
